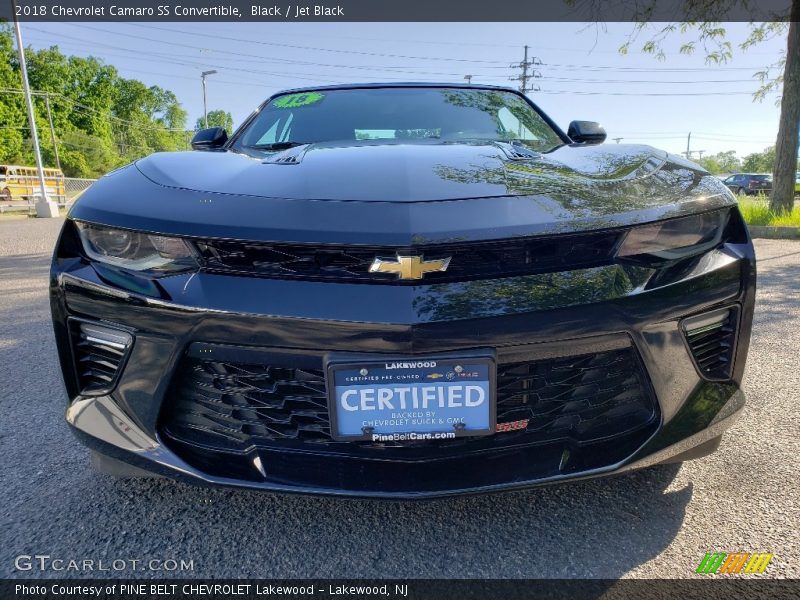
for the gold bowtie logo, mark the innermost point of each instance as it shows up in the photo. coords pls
(409, 267)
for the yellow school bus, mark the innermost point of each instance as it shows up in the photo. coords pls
(22, 183)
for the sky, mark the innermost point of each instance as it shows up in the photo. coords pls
(582, 76)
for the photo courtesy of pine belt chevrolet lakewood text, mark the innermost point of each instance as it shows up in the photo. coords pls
(402, 291)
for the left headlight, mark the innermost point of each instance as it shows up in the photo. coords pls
(676, 238)
(136, 251)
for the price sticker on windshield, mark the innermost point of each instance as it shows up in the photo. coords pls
(298, 100)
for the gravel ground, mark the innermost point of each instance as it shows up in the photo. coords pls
(654, 523)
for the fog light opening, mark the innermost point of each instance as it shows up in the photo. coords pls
(103, 335)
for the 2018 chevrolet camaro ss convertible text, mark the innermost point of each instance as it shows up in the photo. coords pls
(403, 291)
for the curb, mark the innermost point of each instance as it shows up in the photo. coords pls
(774, 233)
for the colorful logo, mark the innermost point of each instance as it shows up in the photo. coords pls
(735, 562)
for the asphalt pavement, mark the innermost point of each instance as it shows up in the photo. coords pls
(654, 523)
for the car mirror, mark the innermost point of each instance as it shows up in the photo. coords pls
(209, 139)
(586, 132)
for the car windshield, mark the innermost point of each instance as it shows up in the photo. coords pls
(397, 113)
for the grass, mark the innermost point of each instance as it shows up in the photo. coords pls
(757, 212)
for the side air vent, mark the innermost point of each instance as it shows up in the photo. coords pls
(99, 353)
(712, 340)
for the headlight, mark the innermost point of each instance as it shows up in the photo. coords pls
(136, 251)
(677, 238)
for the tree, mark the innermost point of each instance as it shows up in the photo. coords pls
(101, 120)
(721, 162)
(760, 162)
(13, 122)
(702, 21)
(216, 118)
(784, 173)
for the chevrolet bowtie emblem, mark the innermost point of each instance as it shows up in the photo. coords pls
(409, 267)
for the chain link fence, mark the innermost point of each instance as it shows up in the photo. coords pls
(18, 194)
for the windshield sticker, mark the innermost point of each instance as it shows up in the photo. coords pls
(297, 100)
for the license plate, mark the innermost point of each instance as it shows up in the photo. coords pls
(411, 399)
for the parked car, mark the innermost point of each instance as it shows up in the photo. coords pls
(749, 184)
(402, 291)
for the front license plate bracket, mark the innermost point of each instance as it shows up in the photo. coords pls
(379, 397)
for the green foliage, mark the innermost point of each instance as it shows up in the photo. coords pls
(759, 162)
(101, 120)
(710, 37)
(721, 162)
(758, 212)
(216, 118)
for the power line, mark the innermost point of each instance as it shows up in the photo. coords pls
(596, 93)
(280, 45)
(91, 109)
(385, 55)
(170, 58)
(199, 63)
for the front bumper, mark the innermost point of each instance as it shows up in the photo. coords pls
(566, 314)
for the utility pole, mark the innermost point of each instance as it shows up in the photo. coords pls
(618, 140)
(203, 76)
(688, 142)
(469, 79)
(44, 207)
(526, 76)
(52, 129)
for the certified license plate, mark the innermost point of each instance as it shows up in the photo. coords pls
(409, 399)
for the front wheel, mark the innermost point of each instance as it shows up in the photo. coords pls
(741, 192)
(5, 195)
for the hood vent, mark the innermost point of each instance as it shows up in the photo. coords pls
(291, 156)
(517, 151)
(99, 353)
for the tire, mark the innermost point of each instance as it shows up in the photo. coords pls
(741, 192)
(5, 195)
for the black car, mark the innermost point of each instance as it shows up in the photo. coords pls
(402, 290)
(749, 184)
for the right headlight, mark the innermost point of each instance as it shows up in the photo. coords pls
(676, 238)
(136, 251)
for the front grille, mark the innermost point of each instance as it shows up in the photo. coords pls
(480, 260)
(712, 340)
(98, 354)
(233, 406)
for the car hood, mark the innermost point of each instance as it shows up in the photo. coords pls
(400, 193)
(414, 172)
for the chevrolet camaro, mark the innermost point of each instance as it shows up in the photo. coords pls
(402, 291)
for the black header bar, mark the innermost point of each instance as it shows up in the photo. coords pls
(709, 587)
(292, 11)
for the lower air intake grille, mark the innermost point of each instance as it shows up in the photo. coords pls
(233, 406)
(712, 339)
(98, 353)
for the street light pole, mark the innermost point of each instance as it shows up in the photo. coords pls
(203, 76)
(44, 207)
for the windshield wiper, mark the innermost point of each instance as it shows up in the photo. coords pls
(276, 145)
